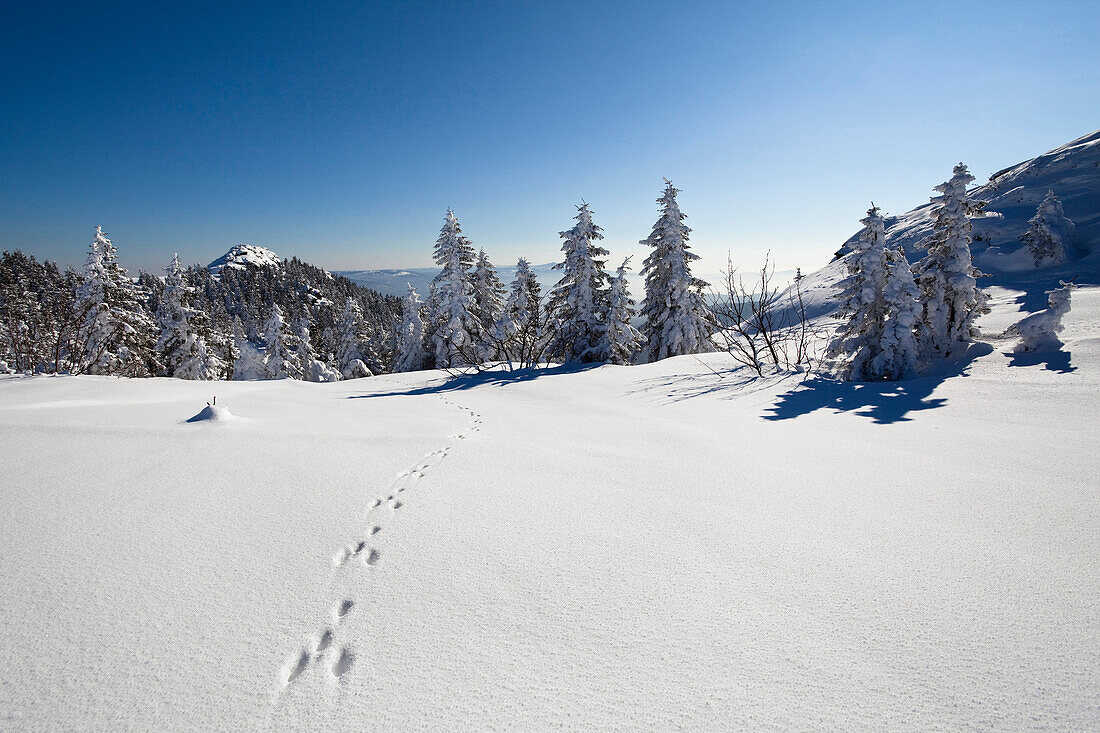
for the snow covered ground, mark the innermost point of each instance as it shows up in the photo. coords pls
(652, 547)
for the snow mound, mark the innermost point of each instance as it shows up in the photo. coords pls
(245, 255)
(212, 412)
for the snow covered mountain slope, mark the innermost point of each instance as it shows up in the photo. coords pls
(245, 255)
(1011, 196)
(649, 547)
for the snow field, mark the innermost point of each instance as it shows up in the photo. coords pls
(648, 547)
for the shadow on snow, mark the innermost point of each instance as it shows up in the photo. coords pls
(499, 378)
(883, 402)
(1055, 361)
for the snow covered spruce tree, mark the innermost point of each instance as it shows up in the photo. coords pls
(181, 348)
(1049, 233)
(623, 340)
(314, 369)
(410, 337)
(578, 303)
(350, 342)
(488, 298)
(115, 334)
(951, 300)
(456, 328)
(879, 298)
(677, 320)
(280, 349)
(518, 330)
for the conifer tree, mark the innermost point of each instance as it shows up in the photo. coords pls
(314, 368)
(676, 317)
(350, 342)
(951, 300)
(410, 337)
(518, 330)
(280, 350)
(116, 334)
(578, 303)
(181, 349)
(624, 341)
(879, 297)
(488, 291)
(898, 348)
(456, 326)
(1049, 232)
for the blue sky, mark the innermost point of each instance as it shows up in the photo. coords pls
(341, 132)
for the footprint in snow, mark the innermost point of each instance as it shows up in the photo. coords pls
(376, 529)
(343, 663)
(295, 667)
(372, 558)
(342, 609)
(325, 641)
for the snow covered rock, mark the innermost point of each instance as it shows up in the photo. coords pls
(245, 255)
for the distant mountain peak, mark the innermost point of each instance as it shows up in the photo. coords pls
(245, 255)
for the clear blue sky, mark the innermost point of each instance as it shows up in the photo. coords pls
(340, 132)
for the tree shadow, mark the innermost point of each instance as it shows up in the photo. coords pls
(1055, 361)
(883, 402)
(735, 382)
(500, 378)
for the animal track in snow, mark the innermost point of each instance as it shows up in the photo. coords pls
(295, 668)
(343, 609)
(320, 644)
(341, 666)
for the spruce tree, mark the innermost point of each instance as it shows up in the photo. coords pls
(1049, 233)
(578, 303)
(676, 318)
(350, 342)
(280, 349)
(410, 337)
(488, 293)
(456, 326)
(950, 298)
(181, 349)
(519, 329)
(879, 297)
(624, 341)
(314, 366)
(115, 333)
